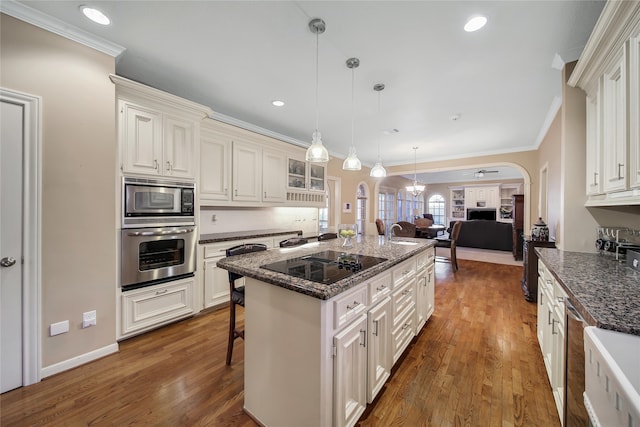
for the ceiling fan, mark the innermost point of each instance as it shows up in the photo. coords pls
(481, 173)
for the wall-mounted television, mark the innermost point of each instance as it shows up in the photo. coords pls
(482, 213)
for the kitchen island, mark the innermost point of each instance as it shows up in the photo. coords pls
(316, 353)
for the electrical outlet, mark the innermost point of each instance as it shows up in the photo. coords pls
(89, 318)
(213, 218)
(59, 328)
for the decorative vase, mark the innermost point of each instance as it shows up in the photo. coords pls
(540, 231)
(347, 232)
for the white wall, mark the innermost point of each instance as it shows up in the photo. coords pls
(243, 219)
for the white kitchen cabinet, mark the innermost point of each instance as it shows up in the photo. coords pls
(614, 121)
(425, 282)
(403, 306)
(634, 110)
(156, 143)
(608, 71)
(350, 373)
(157, 131)
(297, 176)
(141, 138)
(216, 280)
(317, 178)
(482, 197)
(551, 332)
(379, 358)
(147, 308)
(594, 145)
(215, 165)
(247, 172)
(273, 176)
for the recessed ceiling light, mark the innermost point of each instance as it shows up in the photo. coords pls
(475, 23)
(277, 103)
(95, 15)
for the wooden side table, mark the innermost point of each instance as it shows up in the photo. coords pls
(529, 280)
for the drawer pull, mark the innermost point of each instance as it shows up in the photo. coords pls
(381, 288)
(404, 273)
(351, 307)
(406, 325)
(164, 291)
(406, 291)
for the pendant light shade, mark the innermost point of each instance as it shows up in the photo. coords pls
(317, 153)
(352, 163)
(378, 171)
(415, 189)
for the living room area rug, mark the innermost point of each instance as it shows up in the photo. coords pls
(483, 255)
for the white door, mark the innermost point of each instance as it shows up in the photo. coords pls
(11, 246)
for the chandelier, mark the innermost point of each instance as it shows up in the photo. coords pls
(415, 189)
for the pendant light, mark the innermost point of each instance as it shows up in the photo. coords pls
(378, 171)
(415, 189)
(352, 163)
(317, 153)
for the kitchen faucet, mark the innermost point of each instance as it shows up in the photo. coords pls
(392, 234)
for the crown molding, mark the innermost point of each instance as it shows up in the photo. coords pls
(614, 27)
(56, 26)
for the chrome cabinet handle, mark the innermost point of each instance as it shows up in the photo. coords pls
(351, 307)
(363, 342)
(549, 320)
(7, 261)
(164, 291)
(620, 165)
(375, 332)
(155, 164)
(381, 288)
(226, 190)
(595, 178)
(553, 329)
(168, 166)
(160, 233)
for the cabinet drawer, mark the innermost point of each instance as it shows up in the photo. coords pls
(403, 333)
(404, 272)
(349, 306)
(379, 288)
(218, 249)
(146, 308)
(425, 259)
(401, 299)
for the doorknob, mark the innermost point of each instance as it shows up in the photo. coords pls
(7, 261)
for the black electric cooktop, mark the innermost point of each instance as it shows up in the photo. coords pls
(324, 267)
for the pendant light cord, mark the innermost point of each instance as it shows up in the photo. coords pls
(379, 136)
(353, 103)
(317, 77)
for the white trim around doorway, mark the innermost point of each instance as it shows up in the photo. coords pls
(31, 229)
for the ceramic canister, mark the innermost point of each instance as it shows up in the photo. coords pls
(540, 231)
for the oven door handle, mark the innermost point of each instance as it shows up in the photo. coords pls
(160, 233)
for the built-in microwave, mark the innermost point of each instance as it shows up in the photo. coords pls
(157, 203)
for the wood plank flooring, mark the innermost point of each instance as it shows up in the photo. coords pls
(476, 363)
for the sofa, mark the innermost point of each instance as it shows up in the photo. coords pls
(485, 234)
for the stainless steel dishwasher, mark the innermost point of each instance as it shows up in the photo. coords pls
(575, 413)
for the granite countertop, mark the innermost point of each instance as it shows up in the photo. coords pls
(249, 264)
(246, 234)
(604, 291)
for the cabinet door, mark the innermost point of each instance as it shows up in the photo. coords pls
(634, 111)
(615, 125)
(296, 174)
(594, 146)
(216, 283)
(493, 197)
(316, 177)
(179, 146)
(421, 300)
(350, 373)
(274, 176)
(215, 160)
(379, 348)
(247, 172)
(431, 291)
(141, 132)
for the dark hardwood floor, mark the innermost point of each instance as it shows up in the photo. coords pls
(476, 363)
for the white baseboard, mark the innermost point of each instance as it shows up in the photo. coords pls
(78, 360)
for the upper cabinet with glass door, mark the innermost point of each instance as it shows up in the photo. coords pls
(297, 174)
(316, 177)
(609, 72)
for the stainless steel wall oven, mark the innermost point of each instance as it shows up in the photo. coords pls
(158, 236)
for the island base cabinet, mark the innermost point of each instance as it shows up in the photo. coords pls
(378, 348)
(350, 373)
